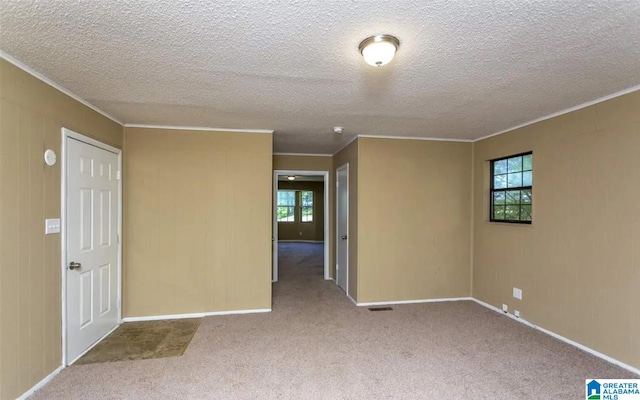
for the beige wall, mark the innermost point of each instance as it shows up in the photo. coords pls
(302, 163)
(349, 155)
(197, 221)
(299, 230)
(32, 114)
(315, 163)
(578, 263)
(414, 219)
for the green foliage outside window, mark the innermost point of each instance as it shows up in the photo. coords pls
(512, 188)
(286, 206)
(288, 201)
(306, 201)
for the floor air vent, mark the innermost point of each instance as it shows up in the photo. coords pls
(380, 309)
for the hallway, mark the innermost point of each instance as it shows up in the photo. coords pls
(300, 278)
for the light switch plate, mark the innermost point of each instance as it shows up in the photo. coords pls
(517, 293)
(51, 226)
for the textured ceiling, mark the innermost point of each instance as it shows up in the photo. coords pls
(465, 69)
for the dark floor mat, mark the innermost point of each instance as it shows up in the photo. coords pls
(143, 340)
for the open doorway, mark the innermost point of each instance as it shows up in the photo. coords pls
(297, 197)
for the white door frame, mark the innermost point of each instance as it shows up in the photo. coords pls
(67, 133)
(281, 172)
(343, 166)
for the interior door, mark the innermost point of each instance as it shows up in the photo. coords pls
(274, 237)
(92, 245)
(342, 227)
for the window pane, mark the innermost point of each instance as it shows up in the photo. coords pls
(512, 213)
(527, 178)
(286, 214)
(514, 164)
(500, 182)
(513, 197)
(514, 180)
(306, 198)
(286, 198)
(307, 214)
(500, 167)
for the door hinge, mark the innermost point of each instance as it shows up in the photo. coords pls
(118, 175)
(118, 235)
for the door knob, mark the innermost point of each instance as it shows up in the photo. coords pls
(74, 265)
(343, 237)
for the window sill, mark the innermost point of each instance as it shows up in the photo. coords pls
(487, 222)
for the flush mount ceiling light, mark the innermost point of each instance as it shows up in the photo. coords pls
(291, 178)
(379, 50)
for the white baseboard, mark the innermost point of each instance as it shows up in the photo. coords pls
(194, 315)
(40, 384)
(300, 241)
(628, 367)
(499, 311)
(49, 377)
(417, 301)
(561, 338)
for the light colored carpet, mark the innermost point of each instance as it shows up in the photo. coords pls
(317, 345)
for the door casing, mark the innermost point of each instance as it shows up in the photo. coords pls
(67, 133)
(282, 172)
(346, 267)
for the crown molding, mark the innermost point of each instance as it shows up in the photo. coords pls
(402, 138)
(346, 145)
(10, 59)
(562, 112)
(302, 154)
(197, 128)
(56, 86)
(415, 138)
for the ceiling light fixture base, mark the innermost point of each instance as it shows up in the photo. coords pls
(379, 50)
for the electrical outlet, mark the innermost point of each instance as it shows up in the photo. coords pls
(300, 233)
(517, 293)
(516, 313)
(505, 308)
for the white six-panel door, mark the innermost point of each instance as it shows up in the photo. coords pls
(92, 207)
(342, 227)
